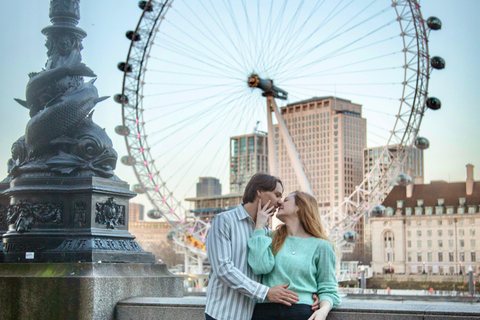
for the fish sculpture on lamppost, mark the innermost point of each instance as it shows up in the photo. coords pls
(61, 200)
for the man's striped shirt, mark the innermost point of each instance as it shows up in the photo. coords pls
(233, 288)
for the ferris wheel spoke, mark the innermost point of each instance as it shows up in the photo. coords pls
(190, 67)
(211, 38)
(203, 148)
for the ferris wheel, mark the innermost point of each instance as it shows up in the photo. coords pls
(191, 79)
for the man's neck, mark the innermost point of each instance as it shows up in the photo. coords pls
(251, 209)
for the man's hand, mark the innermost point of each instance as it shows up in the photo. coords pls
(316, 302)
(263, 214)
(280, 294)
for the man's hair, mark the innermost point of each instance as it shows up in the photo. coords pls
(261, 182)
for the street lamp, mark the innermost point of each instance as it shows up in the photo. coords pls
(423, 267)
(390, 266)
(461, 272)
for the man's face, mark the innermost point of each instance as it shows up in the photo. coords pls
(274, 196)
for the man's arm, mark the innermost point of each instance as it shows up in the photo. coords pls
(219, 252)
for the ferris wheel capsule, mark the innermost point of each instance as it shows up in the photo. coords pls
(120, 99)
(437, 63)
(122, 130)
(133, 36)
(403, 180)
(434, 23)
(122, 66)
(145, 6)
(171, 234)
(138, 188)
(378, 211)
(422, 143)
(350, 236)
(434, 103)
(154, 214)
(128, 160)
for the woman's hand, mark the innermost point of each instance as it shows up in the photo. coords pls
(263, 214)
(322, 313)
(319, 315)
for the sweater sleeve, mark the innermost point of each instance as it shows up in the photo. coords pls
(260, 256)
(327, 284)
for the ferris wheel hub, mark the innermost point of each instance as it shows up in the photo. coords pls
(254, 81)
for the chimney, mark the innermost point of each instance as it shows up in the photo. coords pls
(410, 186)
(469, 183)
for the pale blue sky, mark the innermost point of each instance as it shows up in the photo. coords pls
(453, 131)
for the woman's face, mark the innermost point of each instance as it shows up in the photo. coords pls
(288, 207)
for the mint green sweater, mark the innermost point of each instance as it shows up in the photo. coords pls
(310, 270)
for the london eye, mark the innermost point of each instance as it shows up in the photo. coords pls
(191, 80)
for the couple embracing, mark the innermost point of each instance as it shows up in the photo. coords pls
(257, 273)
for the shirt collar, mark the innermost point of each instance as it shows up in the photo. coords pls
(242, 213)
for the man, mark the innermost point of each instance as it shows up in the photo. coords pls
(233, 288)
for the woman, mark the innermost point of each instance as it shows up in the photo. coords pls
(298, 252)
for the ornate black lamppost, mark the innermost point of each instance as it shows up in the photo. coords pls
(67, 252)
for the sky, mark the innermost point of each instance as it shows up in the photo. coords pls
(453, 131)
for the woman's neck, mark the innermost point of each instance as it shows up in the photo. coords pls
(295, 229)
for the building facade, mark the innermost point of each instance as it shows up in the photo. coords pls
(429, 228)
(207, 207)
(208, 186)
(248, 155)
(413, 162)
(152, 235)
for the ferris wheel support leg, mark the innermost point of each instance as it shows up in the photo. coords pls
(272, 155)
(291, 151)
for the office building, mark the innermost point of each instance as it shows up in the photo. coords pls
(248, 155)
(208, 186)
(329, 135)
(413, 164)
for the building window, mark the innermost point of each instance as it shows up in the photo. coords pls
(450, 243)
(471, 209)
(462, 243)
(420, 202)
(450, 257)
(399, 204)
(409, 257)
(429, 233)
(409, 233)
(450, 233)
(461, 232)
(440, 257)
(419, 233)
(409, 244)
(419, 257)
(429, 257)
(419, 243)
(460, 210)
(472, 232)
(462, 256)
(440, 222)
(450, 210)
(438, 210)
(408, 211)
(472, 243)
(473, 257)
(441, 201)
(428, 211)
(440, 243)
(461, 201)
(429, 243)
(440, 233)
(418, 211)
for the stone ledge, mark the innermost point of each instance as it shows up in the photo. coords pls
(192, 308)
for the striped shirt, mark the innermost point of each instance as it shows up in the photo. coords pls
(233, 288)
